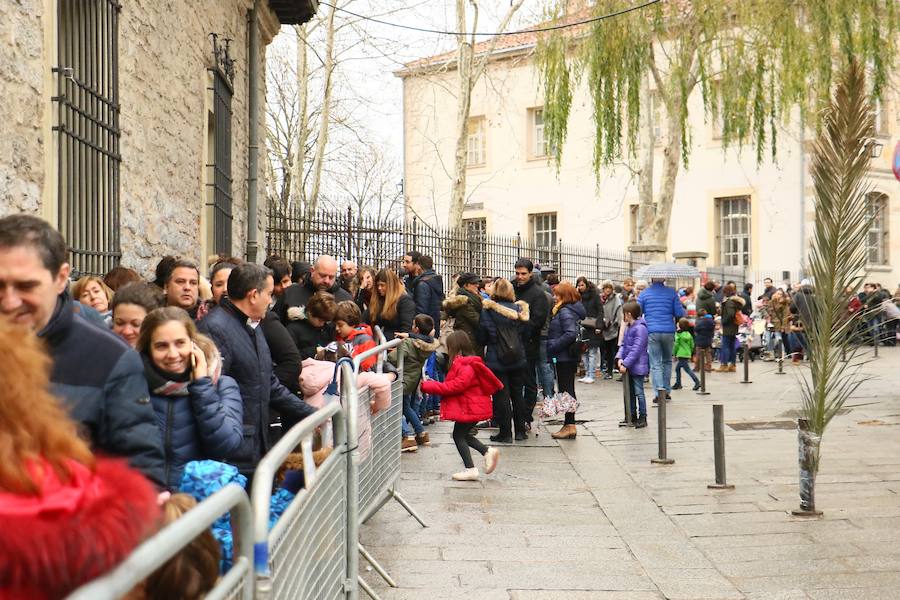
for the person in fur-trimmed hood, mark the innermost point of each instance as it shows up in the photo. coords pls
(503, 322)
(464, 307)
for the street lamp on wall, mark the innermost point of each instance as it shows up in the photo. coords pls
(875, 148)
(400, 187)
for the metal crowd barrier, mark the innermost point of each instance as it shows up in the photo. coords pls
(236, 584)
(379, 466)
(307, 554)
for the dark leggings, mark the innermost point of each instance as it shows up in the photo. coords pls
(463, 438)
(608, 349)
(565, 382)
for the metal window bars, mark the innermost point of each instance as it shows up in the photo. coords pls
(87, 129)
(220, 178)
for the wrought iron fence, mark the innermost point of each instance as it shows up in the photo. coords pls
(297, 235)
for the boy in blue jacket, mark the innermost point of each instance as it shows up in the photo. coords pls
(633, 359)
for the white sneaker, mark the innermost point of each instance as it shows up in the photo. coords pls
(490, 460)
(467, 475)
(587, 380)
(582, 380)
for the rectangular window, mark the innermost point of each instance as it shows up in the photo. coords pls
(879, 109)
(733, 231)
(544, 237)
(476, 143)
(219, 214)
(476, 244)
(877, 242)
(87, 129)
(539, 147)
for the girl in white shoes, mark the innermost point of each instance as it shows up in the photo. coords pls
(466, 393)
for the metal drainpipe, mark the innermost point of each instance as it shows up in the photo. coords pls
(253, 136)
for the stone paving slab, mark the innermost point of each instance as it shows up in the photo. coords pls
(592, 518)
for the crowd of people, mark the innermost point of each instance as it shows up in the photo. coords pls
(207, 366)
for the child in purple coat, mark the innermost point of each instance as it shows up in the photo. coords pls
(633, 359)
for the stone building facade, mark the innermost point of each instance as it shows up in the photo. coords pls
(167, 127)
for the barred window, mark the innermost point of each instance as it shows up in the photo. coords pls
(476, 244)
(734, 231)
(877, 242)
(543, 235)
(87, 130)
(219, 214)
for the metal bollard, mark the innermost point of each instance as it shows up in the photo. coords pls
(780, 370)
(702, 364)
(719, 449)
(662, 459)
(875, 341)
(626, 396)
(747, 363)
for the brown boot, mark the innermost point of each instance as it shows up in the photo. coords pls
(568, 432)
(722, 369)
(422, 439)
(732, 368)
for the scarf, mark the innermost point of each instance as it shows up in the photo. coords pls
(165, 384)
(556, 307)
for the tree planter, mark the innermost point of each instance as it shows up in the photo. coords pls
(808, 446)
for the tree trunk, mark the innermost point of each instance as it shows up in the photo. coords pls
(324, 118)
(647, 148)
(464, 104)
(297, 196)
(658, 230)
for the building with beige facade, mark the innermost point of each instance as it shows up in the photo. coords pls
(736, 212)
(135, 126)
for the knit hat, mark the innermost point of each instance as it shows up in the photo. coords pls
(467, 278)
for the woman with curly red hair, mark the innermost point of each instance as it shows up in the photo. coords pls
(66, 516)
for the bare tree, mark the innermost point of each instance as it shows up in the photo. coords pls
(470, 69)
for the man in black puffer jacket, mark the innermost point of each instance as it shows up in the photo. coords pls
(532, 294)
(246, 358)
(97, 376)
(428, 293)
(322, 278)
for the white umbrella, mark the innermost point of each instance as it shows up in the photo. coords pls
(667, 271)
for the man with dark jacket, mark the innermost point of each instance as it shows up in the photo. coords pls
(706, 298)
(233, 326)
(464, 307)
(97, 376)
(322, 278)
(411, 270)
(428, 293)
(538, 306)
(747, 295)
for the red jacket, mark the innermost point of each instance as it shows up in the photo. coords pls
(361, 340)
(466, 390)
(74, 531)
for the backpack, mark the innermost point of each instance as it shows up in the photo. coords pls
(509, 344)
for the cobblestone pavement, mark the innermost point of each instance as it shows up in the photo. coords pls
(593, 518)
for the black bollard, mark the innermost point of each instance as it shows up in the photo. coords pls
(875, 341)
(747, 363)
(780, 370)
(626, 395)
(702, 364)
(719, 449)
(661, 459)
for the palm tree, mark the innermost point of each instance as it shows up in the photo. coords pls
(836, 262)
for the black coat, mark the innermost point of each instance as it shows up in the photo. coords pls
(538, 311)
(308, 338)
(246, 359)
(428, 294)
(299, 295)
(501, 313)
(101, 382)
(564, 331)
(402, 321)
(285, 355)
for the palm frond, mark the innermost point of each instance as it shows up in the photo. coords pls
(837, 254)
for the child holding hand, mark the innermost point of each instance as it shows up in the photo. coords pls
(466, 392)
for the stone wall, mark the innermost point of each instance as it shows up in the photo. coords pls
(164, 53)
(21, 106)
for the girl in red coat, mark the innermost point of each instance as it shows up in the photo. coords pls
(466, 392)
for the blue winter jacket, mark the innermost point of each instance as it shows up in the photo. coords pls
(704, 331)
(246, 358)
(661, 308)
(100, 381)
(563, 331)
(633, 352)
(205, 424)
(502, 312)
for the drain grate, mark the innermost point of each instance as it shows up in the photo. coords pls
(762, 425)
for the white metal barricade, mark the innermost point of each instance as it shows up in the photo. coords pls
(378, 467)
(236, 584)
(306, 554)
